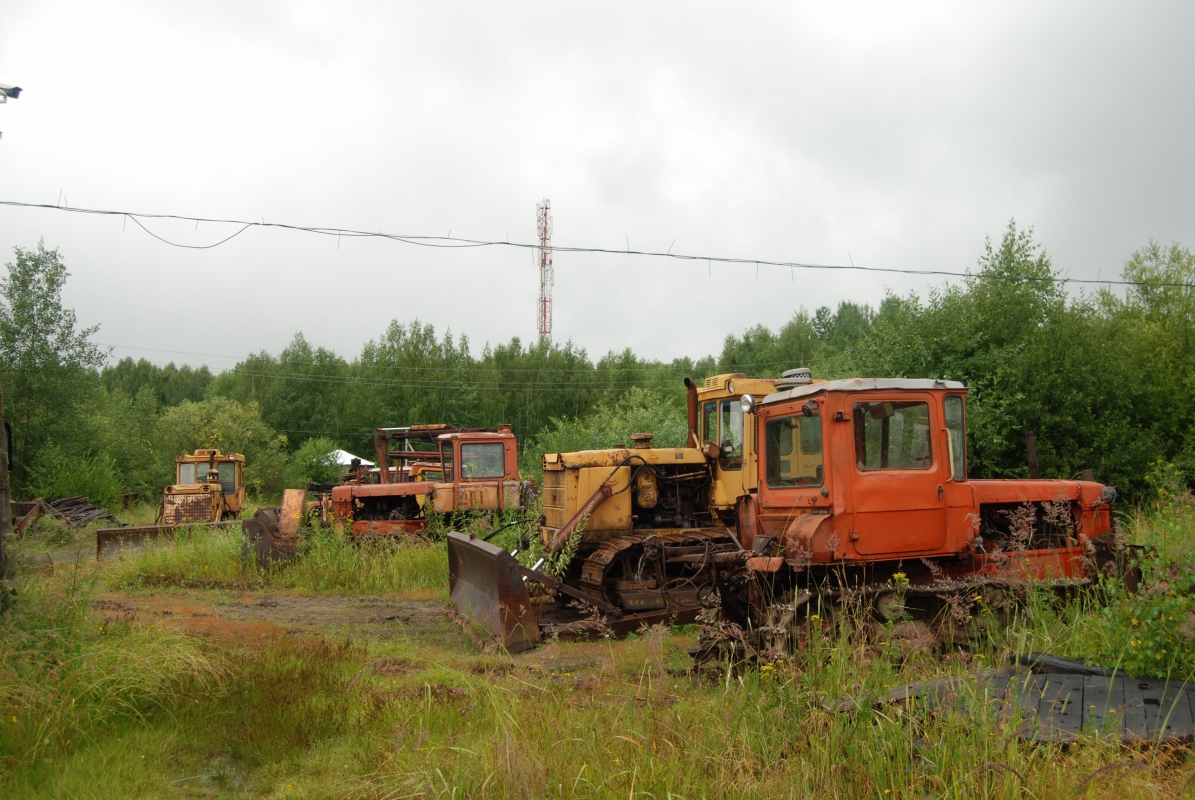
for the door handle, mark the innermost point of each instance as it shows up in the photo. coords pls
(941, 492)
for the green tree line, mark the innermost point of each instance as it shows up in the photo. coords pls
(1105, 380)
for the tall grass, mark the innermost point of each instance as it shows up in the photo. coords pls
(66, 674)
(327, 562)
(318, 717)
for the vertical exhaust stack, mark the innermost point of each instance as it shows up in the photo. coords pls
(693, 437)
(381, 449)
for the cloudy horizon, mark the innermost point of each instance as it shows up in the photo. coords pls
(861, 133)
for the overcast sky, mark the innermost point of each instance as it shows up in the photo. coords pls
(887, 134)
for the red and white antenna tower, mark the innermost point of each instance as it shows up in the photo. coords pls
(543, 257)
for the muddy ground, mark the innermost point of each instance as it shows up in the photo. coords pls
(254, 617)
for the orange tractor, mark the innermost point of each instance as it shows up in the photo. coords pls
(848, 487)
(420, 469)
(469, 470)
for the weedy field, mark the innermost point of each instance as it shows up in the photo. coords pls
(177, 673)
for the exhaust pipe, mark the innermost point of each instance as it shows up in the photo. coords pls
(693, 437)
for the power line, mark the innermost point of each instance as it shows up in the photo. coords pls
(450, 242)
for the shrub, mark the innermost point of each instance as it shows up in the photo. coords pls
(56, 474)
(314, 461)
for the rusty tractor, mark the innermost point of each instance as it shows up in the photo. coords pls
(470, 470)
(649, 528)
(208, 491)
(435, 469)
(835, 489)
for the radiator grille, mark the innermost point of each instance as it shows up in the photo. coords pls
(181, 508)
(553, 496)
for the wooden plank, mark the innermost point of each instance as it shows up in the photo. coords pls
(1175, 711)
(1103, 706)
(996, 688)
(1136, 723)
(1024, 697)
(1061, 709)
(1150, 690)
(1162, 711)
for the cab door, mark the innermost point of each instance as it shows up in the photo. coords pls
(898, 478)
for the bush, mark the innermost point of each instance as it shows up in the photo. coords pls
(314, 461)
(658, 412)
(1156, 626)
(56, 474)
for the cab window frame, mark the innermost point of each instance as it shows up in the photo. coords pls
(729, 411)
(881, 412)
(709, 414)
(229, 485)
(773, 450)
(958, 444)
(482, 447)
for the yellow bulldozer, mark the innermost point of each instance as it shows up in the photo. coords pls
(209, 486)
(208, 491)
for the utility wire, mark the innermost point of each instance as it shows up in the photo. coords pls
(450, 242)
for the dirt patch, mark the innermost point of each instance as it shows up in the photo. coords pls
(255, 616)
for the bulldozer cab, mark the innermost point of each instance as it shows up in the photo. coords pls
(884, 457)
(726, 435)
(209, 486)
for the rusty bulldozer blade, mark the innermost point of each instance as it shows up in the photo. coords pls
(272, 535)
(486, 584)
(113, 542)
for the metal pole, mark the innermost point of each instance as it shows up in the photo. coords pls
(7, 572)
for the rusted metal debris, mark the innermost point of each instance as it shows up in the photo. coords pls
(1057, 706)
(24, 515)
(74, 511)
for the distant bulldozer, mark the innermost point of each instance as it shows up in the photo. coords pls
(209, 487)
(208, 490)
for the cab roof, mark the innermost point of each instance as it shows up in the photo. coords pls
(499, 436)
(863, 385)
(208, 454)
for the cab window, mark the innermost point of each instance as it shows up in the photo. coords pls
(228, 473)
(892, 435)
(731, 446)
(709, 425)
(793, 451)
(446, 458)
(480, 461)
(186, 473)
(957, 431)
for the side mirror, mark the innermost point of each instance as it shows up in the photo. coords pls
(747, 403)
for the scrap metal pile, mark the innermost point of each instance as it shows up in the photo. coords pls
(75, 512)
